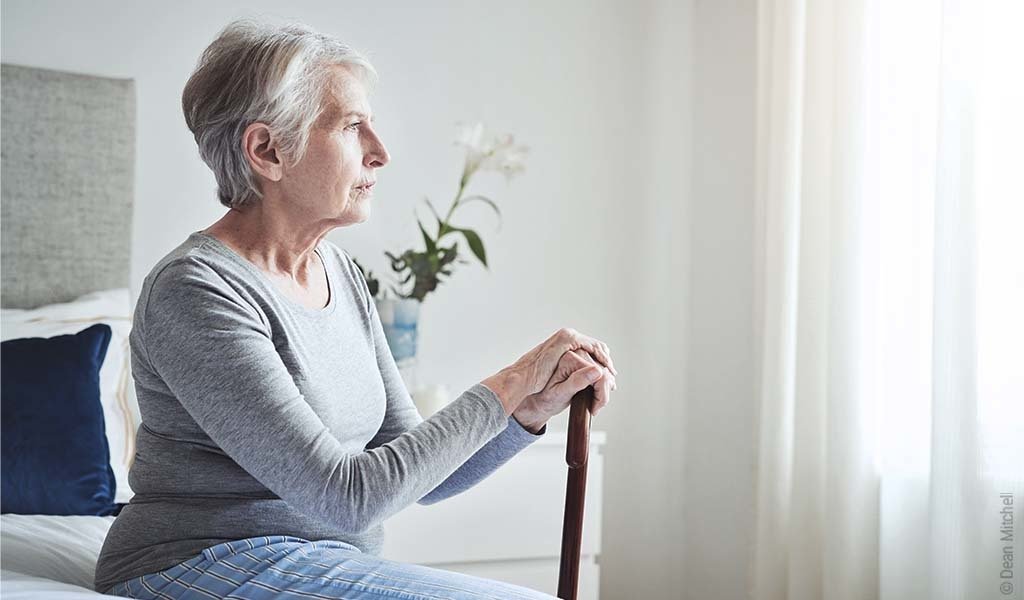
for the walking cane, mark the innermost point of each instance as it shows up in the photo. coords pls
(575, 492)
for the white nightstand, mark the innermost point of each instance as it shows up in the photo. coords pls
(509, 526)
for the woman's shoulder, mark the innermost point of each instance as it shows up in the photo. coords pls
(194, 259)
(196, 270)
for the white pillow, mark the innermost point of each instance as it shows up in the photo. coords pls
(117, 390)
(55, 547)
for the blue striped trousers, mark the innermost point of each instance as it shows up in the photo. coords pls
(288, 567)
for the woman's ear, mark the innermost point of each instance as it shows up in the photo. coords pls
(261, 151)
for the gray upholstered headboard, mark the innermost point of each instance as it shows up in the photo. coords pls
(68, 163)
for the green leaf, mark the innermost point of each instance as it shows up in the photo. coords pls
(431, 246)
(475, 244)
(432, 209)
(442, 230)
(489, 203)
(447, 256)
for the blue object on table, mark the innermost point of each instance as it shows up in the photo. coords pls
(55, 457)
(399, 318)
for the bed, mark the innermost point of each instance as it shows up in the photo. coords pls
(51, 556)
(68, 150)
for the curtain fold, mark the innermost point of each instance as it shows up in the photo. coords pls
(817, 489)
(879, 474)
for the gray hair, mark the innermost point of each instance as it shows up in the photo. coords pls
(254, 72)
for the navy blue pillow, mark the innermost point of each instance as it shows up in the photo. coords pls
(55, 455)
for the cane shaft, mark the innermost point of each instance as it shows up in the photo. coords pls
(576, 452)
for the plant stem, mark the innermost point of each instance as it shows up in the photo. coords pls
(466, 174)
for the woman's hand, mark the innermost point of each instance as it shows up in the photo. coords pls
(576, 370)
(531, 373)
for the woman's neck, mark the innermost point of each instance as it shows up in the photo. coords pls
(269, 240)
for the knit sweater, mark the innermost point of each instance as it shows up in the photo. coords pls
(263, 416)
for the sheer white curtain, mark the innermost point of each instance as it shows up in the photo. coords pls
(890, 295)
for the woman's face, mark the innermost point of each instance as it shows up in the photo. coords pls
(343, 155)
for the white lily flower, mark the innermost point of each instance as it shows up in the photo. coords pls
(514, 163)
(508, 160)
(491, 152)
(470, 136)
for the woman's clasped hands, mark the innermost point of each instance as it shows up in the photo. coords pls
(542, 383)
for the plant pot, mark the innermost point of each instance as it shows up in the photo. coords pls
(400, 318)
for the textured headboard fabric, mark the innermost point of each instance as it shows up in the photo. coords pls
(68, 159)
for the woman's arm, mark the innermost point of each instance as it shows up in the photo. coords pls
(402, 415)
(217, 358)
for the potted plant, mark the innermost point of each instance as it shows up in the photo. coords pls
(419, 271)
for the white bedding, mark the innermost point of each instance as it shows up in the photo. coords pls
(45, 556)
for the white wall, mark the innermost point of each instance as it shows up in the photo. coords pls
(658, 313)
(720, 420)
(595, 233)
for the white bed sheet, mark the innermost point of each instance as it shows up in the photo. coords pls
(44, 556)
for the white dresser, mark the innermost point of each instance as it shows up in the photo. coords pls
(509, 526)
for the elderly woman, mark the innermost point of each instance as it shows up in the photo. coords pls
(277, 434)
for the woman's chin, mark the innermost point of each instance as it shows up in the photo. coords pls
(359, 212)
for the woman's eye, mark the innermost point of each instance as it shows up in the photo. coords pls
(354, 126)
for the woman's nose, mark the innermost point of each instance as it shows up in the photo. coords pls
(378, 155)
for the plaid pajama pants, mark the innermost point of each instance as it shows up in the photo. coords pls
(292, 568)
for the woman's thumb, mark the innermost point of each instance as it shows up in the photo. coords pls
(583, 377)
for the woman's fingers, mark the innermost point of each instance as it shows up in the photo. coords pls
(593, 376)
(602, 387)
(584, 358)
(600, 351)
(576, 370)
(546, 364)
(602, 391)
(600, 396)
(575, 340)
(581, 378)
(605, 396)
(608, 353)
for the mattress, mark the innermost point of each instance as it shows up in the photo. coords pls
(45, 556)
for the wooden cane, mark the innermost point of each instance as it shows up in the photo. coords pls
(576, 451)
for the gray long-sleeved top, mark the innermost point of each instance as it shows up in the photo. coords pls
(263, 416)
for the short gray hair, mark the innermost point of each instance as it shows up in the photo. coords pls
(253, 72)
